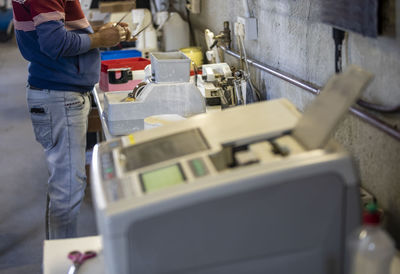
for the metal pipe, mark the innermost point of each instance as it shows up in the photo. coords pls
(377, 123)
(314, 89)
(284, 76)
(380, 108)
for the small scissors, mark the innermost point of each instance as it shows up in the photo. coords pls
(78, 258)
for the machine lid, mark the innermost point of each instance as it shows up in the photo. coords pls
(320, 119)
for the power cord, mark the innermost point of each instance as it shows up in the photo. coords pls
(243, 55)
(338, 37)
(192, 37)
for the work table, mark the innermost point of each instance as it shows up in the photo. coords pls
(55, 253)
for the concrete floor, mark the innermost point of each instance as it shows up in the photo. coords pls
(23, 175)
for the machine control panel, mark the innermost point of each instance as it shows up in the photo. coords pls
(160, 177)
(198, 167)
(107, 165)
(132, 178)
(135, 170)
(115, 190)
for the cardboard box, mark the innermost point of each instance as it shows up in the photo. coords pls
(117, 6)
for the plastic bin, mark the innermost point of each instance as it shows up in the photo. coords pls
(170, 67)
(119, 54)
(120, 68)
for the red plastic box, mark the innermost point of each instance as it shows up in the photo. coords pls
(122, 74)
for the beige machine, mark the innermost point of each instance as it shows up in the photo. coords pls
(252, 189)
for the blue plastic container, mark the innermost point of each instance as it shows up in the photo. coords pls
(119, 54)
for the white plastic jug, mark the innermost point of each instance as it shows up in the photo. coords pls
(175, 33)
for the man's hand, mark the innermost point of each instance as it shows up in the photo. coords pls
(110, 35)
(129, 37)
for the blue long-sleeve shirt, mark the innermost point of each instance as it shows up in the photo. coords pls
(53, 36)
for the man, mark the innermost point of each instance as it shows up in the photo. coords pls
(57, 40)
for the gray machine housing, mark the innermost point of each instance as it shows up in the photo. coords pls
(266, 204)
(169, 92)
(122, 117)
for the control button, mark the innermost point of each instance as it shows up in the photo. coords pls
(107, 165)
(109, 170)
(106, 157)
(114, 190)
(110, 175)
(198, 167)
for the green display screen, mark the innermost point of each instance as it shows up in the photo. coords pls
(162, 178)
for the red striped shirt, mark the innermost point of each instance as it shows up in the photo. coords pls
(31, 13)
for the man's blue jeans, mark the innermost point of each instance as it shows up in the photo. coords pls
(59, 120)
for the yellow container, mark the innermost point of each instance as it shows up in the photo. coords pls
(195, 54)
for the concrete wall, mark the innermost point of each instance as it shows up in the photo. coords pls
(291, 40)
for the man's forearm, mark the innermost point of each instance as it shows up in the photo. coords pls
(95, 40)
